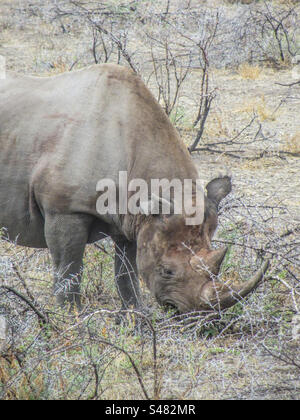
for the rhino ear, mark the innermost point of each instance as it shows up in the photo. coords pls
(218, 188)
(156, 205)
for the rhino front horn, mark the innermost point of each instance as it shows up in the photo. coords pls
(218, 296)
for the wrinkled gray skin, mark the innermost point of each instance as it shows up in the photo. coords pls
(58, 137)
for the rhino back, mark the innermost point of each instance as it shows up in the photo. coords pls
(60, 135)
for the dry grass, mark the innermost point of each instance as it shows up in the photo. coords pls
(259, 107)
(293, 143)
(248, 71)
(259, 164)
(245, 353)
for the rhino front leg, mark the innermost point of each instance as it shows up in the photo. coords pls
(126, 275)
(66, 237)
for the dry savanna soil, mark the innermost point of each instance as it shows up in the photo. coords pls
(248, 352)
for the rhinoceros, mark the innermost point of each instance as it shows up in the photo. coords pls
(59, 136)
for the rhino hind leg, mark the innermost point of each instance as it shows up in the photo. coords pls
(126, 275)
(66, 236)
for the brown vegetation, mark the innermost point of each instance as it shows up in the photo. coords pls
(224, 74)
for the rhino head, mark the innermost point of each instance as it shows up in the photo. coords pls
(178, 264)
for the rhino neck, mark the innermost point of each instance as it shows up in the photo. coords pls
(157, 159)
(131, 225)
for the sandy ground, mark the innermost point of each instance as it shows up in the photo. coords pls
(239, 366)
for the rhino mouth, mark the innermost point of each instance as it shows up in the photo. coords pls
(176, 306)
(167, 303)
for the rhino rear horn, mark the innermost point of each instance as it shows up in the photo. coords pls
(218, 188)
(211, 262)
(215, 259)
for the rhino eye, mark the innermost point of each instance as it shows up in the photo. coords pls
(167, 273)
